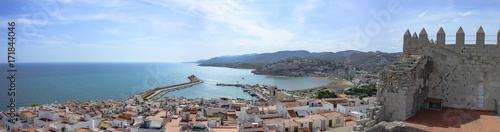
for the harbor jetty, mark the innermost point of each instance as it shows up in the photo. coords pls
(156, 93)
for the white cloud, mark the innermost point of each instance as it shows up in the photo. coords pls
(422, 14)
(302, 8)
(235, 17)
(112, 31)
(466, 13)
(141, 38)
(456, 19)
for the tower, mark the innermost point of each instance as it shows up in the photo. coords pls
(273, 95)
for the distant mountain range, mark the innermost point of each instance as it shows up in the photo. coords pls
(252, 61)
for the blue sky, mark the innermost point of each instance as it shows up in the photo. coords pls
(185, 30)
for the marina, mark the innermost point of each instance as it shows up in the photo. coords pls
(260, 91)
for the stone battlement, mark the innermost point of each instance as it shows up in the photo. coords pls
(413, 44)
(458, 75)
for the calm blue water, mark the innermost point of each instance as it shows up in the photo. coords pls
(49, 82)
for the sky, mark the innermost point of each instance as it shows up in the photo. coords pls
(189, 30)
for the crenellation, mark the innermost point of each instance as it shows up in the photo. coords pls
(441, 37)
(414, 40)
(417, 44)
(462, 76)
(423, 40)
(460, 36)
(498, 38)
(480, 36)
(406, 41)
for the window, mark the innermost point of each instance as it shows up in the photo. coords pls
(286, 130)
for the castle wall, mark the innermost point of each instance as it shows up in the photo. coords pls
(463, 75)
(404, 88)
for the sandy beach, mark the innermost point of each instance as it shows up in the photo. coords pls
(333, 85)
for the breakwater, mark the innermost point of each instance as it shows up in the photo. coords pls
(156, 93)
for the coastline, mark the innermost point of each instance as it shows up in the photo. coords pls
(332, 85)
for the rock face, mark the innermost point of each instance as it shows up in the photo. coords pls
(463, 75)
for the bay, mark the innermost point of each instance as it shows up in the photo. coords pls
(42, 83)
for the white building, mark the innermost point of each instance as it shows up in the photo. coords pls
(355, 105)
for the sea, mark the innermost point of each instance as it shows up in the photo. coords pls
(45, 83)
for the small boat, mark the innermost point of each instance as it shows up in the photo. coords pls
(253, 94)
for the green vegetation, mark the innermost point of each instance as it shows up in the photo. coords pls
(363, 95)
(350, 78)
(349, 92)
(368, 90)
(143, 125)
(145, 99)
(33, 105)
(326, 94)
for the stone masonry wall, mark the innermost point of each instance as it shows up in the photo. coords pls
(404, 87)
(466, 76)
(462, 75)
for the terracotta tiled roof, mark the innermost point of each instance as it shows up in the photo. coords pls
(305, 119)
(292, 113)
(223, 129)
(315, 117)
(289, 124)
(291, 104)
(334, 99)
(332, 114)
